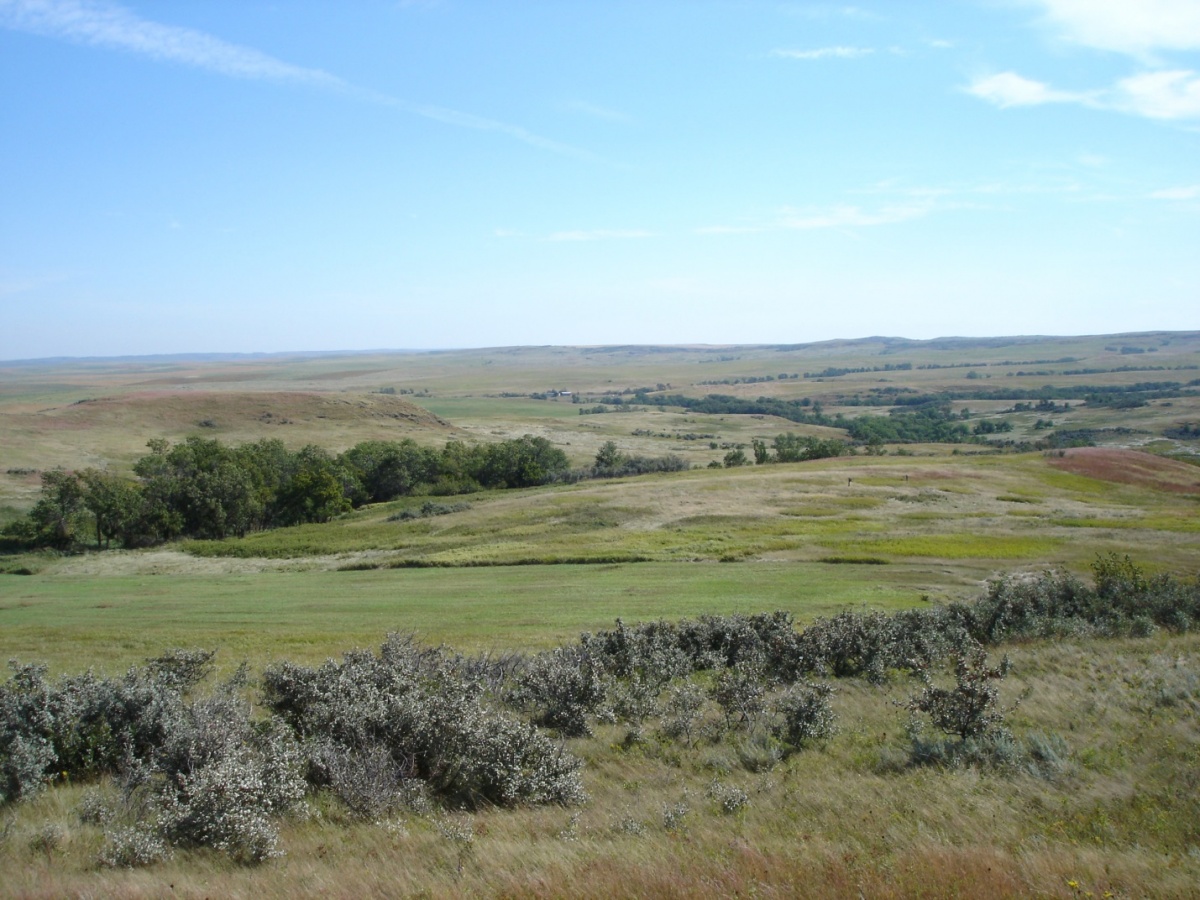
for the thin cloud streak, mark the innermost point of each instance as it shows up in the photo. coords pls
(578, 235)
(600, 234)
(110, 26)
(840, 216)
(597, 112)
(824, 53)
(1190, 192)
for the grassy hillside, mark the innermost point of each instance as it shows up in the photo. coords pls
(64, 413)
(1113, 814)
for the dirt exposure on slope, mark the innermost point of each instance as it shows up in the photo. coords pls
(1131, 467)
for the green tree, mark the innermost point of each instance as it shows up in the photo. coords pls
(608, 457)
(113, 501)
(389, 469)
(735, 458)
(205, 484)
(523, 462)
(57, 516)
(314, 493)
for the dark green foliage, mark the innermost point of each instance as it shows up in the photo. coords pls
(205, 484)
(611, 463)
(931, 423)
(314, 492)
(204, 489)
(114, 503)
(803, 411)
(735, 458)
(792, 448)
(56, 518)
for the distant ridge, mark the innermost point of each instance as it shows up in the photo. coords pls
(890, 342)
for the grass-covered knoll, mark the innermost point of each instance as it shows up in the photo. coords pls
(902, 509)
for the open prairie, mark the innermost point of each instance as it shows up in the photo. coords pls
(887, 526)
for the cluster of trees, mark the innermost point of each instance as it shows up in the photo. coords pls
(804, 411)
(612, 463)
(835, 372)
(935, 423)
(793, 448)
(204, 489)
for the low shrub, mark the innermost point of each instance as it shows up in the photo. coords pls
(131, 847)
(426, 710)
(561, 688)
(805, 715)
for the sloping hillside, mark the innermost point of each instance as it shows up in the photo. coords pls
(106, 431)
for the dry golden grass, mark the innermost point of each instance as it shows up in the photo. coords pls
(848, 819)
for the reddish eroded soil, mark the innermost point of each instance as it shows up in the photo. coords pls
(1131, 467)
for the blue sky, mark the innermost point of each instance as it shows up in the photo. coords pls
(250, 176)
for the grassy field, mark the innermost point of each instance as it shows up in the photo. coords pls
(113, 622)
(531, 569)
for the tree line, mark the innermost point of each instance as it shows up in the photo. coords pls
(201, 488)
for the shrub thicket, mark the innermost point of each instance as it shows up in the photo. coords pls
(424, 713)
(412, 726)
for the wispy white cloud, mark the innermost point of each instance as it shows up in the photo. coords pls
(1173, 94)
(825, 53)
(1135, 27)
(110, 26)
(1143, 29)
(103, 24)
(840, 216)
(843, 216)
(830, 11)
(596, 112)
(1188, 192)
(1010, 89)
(595, 234)
(600, 234)
(14, 286)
